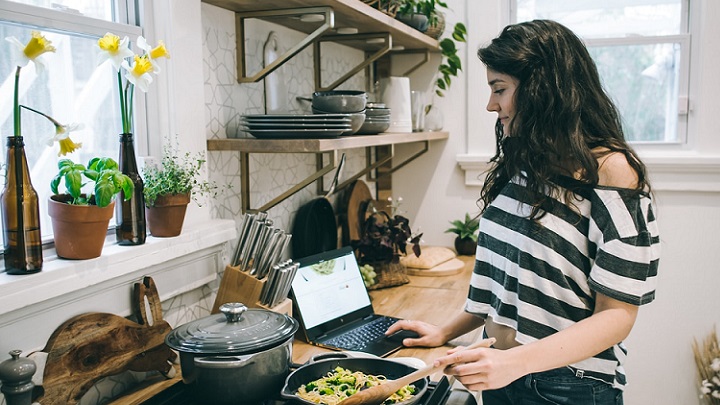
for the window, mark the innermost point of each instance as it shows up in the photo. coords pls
(642, 49)
(71, 89)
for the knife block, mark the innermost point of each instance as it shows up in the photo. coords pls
(239, 286)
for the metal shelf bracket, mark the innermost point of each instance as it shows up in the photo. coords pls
(240, 17)
(385, 37)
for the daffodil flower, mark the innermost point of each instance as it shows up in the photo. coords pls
(114, 49)
(139, 73)
(62, 133)
(153, 54)
(32, 52)
(62, 137)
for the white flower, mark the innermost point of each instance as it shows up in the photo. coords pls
(715, 365)
(32, 52)
(139, 73)
(114, 49)
(62, 137)
(153, 54)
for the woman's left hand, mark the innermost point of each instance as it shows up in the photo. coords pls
(482, 368)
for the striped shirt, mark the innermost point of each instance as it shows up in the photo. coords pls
(540, 276)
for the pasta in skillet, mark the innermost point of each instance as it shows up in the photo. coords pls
(341, 383)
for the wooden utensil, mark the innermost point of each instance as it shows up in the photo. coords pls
(379, 393)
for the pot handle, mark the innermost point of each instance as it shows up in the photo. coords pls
(222, 361)
(328, 356)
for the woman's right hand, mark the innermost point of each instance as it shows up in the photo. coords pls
(429, 335)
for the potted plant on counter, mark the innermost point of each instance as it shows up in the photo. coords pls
(80, 219)
(383, 239)
(466, 231)
(169, 187)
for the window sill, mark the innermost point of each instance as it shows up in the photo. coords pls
(681, 172)
(168, 260)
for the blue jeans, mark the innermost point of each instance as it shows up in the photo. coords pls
(558, 386)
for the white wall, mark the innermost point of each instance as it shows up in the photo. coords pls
(660, 368)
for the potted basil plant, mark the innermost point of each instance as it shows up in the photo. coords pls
(80, 219)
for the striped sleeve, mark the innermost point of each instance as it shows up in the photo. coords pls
(625, 231)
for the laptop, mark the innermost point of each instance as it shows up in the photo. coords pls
(333, 306)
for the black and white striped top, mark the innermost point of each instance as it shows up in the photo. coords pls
(540, 276)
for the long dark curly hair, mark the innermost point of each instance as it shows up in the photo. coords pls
(564, 121)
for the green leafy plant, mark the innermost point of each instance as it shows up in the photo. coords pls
(103, 172)
(451, 63)
(176, 175)
(466, 229)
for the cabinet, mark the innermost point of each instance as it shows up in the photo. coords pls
(374, 32)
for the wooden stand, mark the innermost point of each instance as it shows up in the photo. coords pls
(238, 286)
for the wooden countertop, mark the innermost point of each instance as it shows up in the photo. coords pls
(430, 299)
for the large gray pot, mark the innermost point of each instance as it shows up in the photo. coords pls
(241, 356)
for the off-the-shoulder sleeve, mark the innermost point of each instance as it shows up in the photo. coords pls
(624, 229)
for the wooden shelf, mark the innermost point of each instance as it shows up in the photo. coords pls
(320, 147)
(348, 13)
(254, 145)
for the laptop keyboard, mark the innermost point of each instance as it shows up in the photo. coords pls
(358, 338)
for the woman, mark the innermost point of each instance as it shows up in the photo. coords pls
(568, 245)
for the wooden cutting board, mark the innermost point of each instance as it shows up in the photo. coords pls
(91, 346)
(351, 210)
(448, 268)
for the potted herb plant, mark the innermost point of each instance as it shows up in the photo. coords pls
(80, 219)
(169, 187)
(466, 240)
(383, 239)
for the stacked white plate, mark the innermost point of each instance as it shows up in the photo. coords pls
(295, 126)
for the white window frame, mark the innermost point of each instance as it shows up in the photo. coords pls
(54, 20)
(692, 165)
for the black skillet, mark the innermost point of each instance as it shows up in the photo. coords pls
(376, 366)
(315, 229)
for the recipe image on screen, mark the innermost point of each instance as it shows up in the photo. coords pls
(329, 289)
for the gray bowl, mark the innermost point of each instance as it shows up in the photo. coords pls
(339, 101)
(371, 127)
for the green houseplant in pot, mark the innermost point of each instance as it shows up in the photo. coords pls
(80, 219)
(169, 187)
(466, 240)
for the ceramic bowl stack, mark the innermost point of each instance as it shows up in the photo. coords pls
(296, 126)
(377, 119)
(349, 102)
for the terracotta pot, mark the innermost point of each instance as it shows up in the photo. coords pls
(165, 218)
(465, 246)
(79, 230)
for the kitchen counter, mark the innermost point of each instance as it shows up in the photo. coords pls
(431, 299)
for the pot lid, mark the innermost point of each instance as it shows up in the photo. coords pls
(237, 330)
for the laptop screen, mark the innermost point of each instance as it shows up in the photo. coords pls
(329, 291)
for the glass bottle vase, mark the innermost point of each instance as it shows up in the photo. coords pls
(130, 214)
(20, 214)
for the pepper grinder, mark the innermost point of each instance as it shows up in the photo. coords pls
(16, 377)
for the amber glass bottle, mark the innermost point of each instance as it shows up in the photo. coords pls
(20, 214)
(130, 214)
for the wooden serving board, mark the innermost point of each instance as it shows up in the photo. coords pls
(94, 345)
(351, 210)
(448, 268)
